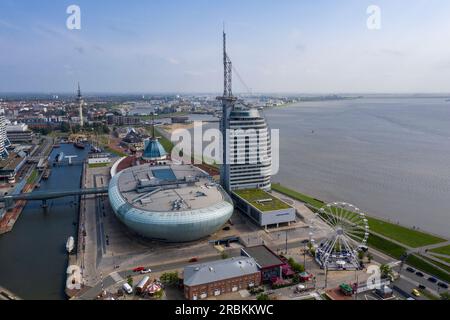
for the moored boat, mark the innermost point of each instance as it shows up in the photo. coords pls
(79, 145)
(70, 245)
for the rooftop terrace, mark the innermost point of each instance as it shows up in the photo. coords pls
(262, 200)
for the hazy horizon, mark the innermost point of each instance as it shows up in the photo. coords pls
(289, 47)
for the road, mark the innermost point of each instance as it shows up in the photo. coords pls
(93, 292)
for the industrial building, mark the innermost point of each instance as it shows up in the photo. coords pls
(173, 203)
(216, 278)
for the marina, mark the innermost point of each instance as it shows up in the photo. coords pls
(57, 222)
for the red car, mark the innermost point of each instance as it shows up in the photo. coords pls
(138, 269)
(193, 260)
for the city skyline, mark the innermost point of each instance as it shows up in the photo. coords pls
(293, 47)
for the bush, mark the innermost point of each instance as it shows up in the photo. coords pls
(263, 297)
(170, 278)
(130, 281)
(297, 267)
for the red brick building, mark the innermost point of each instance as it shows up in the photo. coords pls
(220, 277)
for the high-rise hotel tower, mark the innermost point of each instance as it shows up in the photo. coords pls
(246, 154)
(3, 138)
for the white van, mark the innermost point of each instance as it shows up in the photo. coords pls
(127, 288)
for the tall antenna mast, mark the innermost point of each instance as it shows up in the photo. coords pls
(153, 125)
(228, 102)
(227, 69)
(80, 102)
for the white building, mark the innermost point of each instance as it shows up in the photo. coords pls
(3, 138)
(249, 158)
(19, 132)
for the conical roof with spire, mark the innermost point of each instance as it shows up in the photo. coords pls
(153, 149)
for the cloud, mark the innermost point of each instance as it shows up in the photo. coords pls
(7, 25)
(173, 61)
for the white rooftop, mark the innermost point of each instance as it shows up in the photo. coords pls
(168, 188)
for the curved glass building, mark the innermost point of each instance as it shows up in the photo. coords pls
(178, 203)
(250, 153)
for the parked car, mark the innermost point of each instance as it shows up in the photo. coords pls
(443, 285)
(420, 274)
(145, 271)
(422, 287)
(432, 280)
(193, 260)
(127, 288)
(409, 269)
(138, 269)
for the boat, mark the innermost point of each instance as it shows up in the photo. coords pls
(46, 174)
(70, 245)
(95, 149)
(79, 145)
(59, 157)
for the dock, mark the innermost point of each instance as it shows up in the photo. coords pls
(11, 216)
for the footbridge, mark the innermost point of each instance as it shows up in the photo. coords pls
(48, 195)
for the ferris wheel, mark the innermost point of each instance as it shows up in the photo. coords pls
(346, 234)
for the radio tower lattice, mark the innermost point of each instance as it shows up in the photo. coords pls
(228, 101)
(80, 102)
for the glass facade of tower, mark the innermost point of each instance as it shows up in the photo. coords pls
(249, 145)
(3, 138)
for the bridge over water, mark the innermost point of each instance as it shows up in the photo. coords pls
(48, 195)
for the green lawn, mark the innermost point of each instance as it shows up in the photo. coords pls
(297, 195)
(423, 265)
(117, 153)
(442, 258)
(442, 250)
(256, 198)
(33, 177)
(390, 248)
(409, 237)
(406, 236)
(98, 165)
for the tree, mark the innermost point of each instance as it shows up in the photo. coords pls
(130, 281)
(369, 257)
(361, 255)
(170, 278)
(386, 271)
(65, 127)
(297, 267)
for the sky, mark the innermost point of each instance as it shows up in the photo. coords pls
(175, 46)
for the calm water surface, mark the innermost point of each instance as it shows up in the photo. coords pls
(390, 157)
(33, 259)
